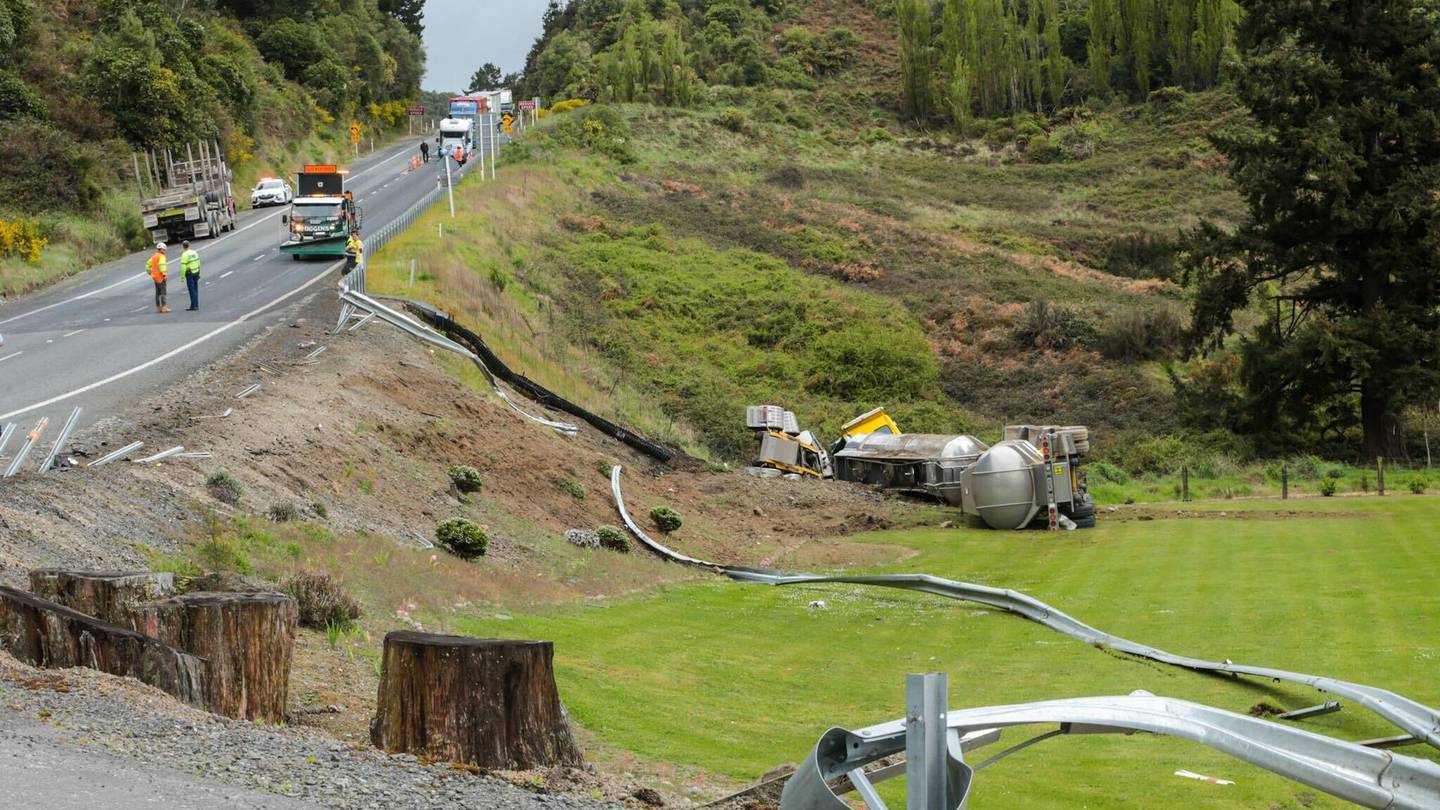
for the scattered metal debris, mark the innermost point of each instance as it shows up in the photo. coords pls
(115, 455)
(1416, 719)
(31, 439)
(248, 391)
(163, 454)
(1327, 707)
(364, 319)
(935, 741)
(59, 441)
(5, 434)
(316, 353)
(196, 455)
(1200, 777)
(224, 415)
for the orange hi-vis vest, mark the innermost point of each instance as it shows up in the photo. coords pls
(156, 266)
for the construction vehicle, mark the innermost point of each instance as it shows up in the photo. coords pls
(323, 215)
(185, 199)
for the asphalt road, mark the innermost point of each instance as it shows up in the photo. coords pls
(95, 340)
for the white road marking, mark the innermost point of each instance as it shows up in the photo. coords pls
(258, 258)
(140, 309)
(177, 350)
(10, 356)
(76, 332)
(226, 273)
(128, 279)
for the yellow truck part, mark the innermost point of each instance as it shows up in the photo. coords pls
(876, 421)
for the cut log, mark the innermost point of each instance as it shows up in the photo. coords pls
(111, 597)
(45, 634)
(247, 640)
(485, 702)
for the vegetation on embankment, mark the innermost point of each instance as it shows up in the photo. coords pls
(82, 84)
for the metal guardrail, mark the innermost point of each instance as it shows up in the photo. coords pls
(936, 740)
(422, 332)
(1416, 719)
(59, 441)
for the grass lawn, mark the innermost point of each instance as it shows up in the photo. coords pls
(739, 678)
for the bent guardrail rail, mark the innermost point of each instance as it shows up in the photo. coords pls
(1365, 776)
(1416, 719)
(424, 333)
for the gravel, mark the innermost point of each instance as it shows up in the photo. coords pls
(123, 734)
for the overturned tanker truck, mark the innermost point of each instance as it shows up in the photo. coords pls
(1032, 477)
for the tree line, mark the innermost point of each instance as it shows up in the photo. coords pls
(966, 58)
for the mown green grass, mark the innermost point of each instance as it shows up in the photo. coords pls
(737, 679)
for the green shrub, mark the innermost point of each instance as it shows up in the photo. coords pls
(604, 467)
(323, 601)
(1142, 333)
(224, 487)
(1364, 483)
(613, 538)
(462, 537)
(220, 554)
(283, 512)
(1043, 325)
(18, 99)
(320, 510)
(1335, 473)
(464, 477)
(734, 119)
(573, 488)
(1107, 472)
(1160, 455)
(666, 519)
(1142, 255)
(1328, 486)
(1417, 485)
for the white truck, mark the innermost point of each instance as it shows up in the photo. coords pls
(187, 198)
(457, 132)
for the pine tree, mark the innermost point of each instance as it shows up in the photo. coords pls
(1340, 174)
(1057, 67)
(1104, 17)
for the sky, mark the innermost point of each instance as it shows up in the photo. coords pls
(461, 35)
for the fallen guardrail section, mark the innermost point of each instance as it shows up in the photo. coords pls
(535, 391)
(935, 740)
(424, 333)
(1420, 722)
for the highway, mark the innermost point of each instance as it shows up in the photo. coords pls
(96, 341)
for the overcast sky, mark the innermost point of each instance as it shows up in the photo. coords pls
(461, 35)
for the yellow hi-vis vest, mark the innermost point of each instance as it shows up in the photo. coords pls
(190, 263)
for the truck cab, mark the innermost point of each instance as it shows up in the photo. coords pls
(322, 216)
(456, 132)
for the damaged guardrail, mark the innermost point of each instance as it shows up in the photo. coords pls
(1416, 719)
(529, 387)
(422, 332)
(935, 741)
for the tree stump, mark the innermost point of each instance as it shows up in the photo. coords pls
(485, 702)
(247, 640)
(45, 634)
(111, 597)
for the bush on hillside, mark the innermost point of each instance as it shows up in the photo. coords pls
(1142, 333)
(18, 99)
(613, 538)
(666, 519)
(323, 601)
(1142, 255)
(1328, 486)
(598, 129)
(283, 512)
(464, 477)
(1043, 325)
(462, 538)
(224, 487)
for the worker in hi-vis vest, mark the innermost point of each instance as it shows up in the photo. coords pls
(190, 271)
(156, 266)
(354, 251)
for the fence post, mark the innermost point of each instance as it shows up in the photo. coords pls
(412, 272)
(1185, 483)
(1380, 474)
(1284, 482)
(926, 698)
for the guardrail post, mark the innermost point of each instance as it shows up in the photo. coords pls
(1380, 474)
(926, 698)
(1284, 482)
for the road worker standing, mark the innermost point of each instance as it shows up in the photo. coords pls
(156, 266)
(354, 251)
(190, 271)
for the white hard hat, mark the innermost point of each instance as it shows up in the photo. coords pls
(159, 245)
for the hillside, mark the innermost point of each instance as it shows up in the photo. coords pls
(82, 84)
(805, 245)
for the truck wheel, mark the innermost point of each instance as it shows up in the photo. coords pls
(296, 256)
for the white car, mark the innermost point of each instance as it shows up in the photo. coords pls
(271, 192)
